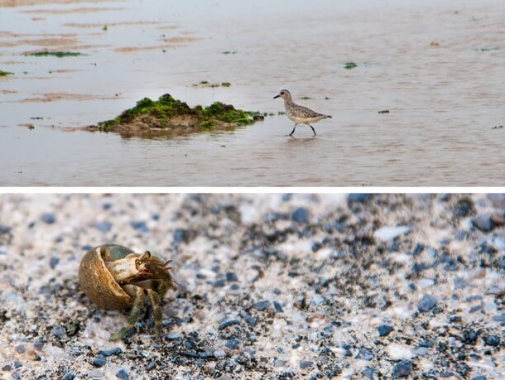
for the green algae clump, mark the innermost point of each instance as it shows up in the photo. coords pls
(169, 115)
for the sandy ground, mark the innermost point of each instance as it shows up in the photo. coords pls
(271, 286)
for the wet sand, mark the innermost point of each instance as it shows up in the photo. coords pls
(436, 66)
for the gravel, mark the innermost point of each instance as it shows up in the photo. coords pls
(270, 286)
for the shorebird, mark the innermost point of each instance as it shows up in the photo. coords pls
(299, 114)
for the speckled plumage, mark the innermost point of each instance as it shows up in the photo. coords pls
(299, 114)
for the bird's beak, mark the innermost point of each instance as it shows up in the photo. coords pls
(276, 96)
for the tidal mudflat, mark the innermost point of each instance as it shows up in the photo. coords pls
(414, 88)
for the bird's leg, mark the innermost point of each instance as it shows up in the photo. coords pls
(313, 130)
(293, 131)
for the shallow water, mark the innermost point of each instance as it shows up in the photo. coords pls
(444, 100)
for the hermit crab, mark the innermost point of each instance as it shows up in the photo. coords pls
(116, 278)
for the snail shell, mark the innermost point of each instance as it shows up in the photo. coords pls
(98, 282)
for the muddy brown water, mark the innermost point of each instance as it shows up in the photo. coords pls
(437, 66)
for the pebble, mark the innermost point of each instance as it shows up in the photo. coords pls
(232, 344)
(464, 207)
(113, 351)
(17, 364)
(365, 354)
(58, 330)
(483, 223)
(99, 361)
(180, 236)
(53, 262)
(261, 305)
(20, 348)
(384, 330)
(150, 366)
(389, 233)
(369, 373)
(228, 323)
(103, 226)
(300, 215)
(317, 300)
(460, 235)
(402, 369)
(359, 198)
(492, 340)
(231, 277)
(427, 303)
(499, 318)
(278, 307)
(498, 219)
(304, 364)
(68, 376)
(139, 226)
(123, 375)
(48, 218)
(399, 352)
(5, 229)
(479, 378)
(219, 354)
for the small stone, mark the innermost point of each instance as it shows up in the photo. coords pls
(402, 369)
(317, 300)
(53, 262)
(103, 226)
(250, 320)
(427, 303)
(219, 354)
(278, 307)
(232, 344)
(316, 247)
(365, 354)
(498, 219)
(48, 218)
(7, 367)
(17, 364)
(460, 235)
(261, 305)
(38, 345)
(492, 340)
(483, 223)
(479, 378)
(231, 277)
(359, 198)
(228, 323)
(499, 318)
(180, 236)
(99, 361)
(113, 351)
(58, 330)
(219, 283)
(388, 233)
(300, 215)
(123, 375)
(140, 226)
(4, 229)
(369, 373)
(150, 366)
(464, 207)
(304, 364)
(68, 376)
(384, 330)
(20, 349)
